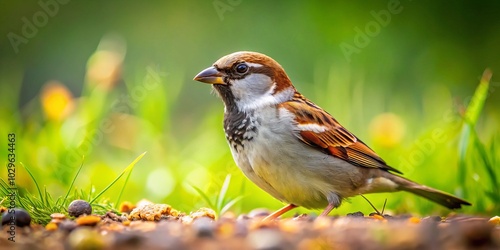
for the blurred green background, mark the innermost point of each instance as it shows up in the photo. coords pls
(109, 80)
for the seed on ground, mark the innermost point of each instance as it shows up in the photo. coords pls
(18, 216)
(79, 207)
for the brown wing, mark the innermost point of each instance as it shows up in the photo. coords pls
(319, 129)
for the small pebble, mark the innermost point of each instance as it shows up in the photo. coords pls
(432, 218)
(51, 226)
(151, 212)
(243, 217)
(204, 227)
(58, 216)
(388, 216)
(114, 217)
(414, 220)
(240, 228)
(18, 216)
(88, 220)
(377, 217)
(126, 207)
(168, 218)
(79, 207)
(203, 212)
(303, 217)
(495, 220)
(67, 225)
(259, 212)
(356, 214)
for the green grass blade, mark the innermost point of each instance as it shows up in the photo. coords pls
(4, 187)
(47, 198)
(123, 188)
(204, 196)
(229, 205)
(89, 196)
(128, 168)
(477, 102)
(471, 116)
(71, 185)
(34, 180)
(483, 155)
(4, 191)
(223, 191)
(463, 145)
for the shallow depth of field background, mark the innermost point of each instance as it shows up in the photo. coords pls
(109, 80)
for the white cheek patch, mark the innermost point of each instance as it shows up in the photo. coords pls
(252, 85)
(257, 90)
(312, 127)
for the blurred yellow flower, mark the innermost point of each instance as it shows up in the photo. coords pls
(57, 101)
(387, 129)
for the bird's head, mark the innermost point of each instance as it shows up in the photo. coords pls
(248, 80)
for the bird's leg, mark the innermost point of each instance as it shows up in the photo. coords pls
(279, 212)
(328, 209)
(334, 201)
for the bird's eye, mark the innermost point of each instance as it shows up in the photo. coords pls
(241, 68)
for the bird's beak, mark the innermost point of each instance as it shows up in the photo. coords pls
(210, 75)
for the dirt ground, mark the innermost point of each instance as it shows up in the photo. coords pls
(158, 226)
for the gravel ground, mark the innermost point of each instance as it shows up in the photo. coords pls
(157, 226)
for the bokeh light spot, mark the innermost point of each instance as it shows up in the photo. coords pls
(160, 183)
(387, 129)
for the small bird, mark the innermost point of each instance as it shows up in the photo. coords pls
(293, 149)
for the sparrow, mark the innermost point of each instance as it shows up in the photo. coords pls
(292, 148)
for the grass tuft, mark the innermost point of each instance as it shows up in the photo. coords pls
(221, 204)
(470, 147)
(42, 206)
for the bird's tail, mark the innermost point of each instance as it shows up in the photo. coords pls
(440, 197)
